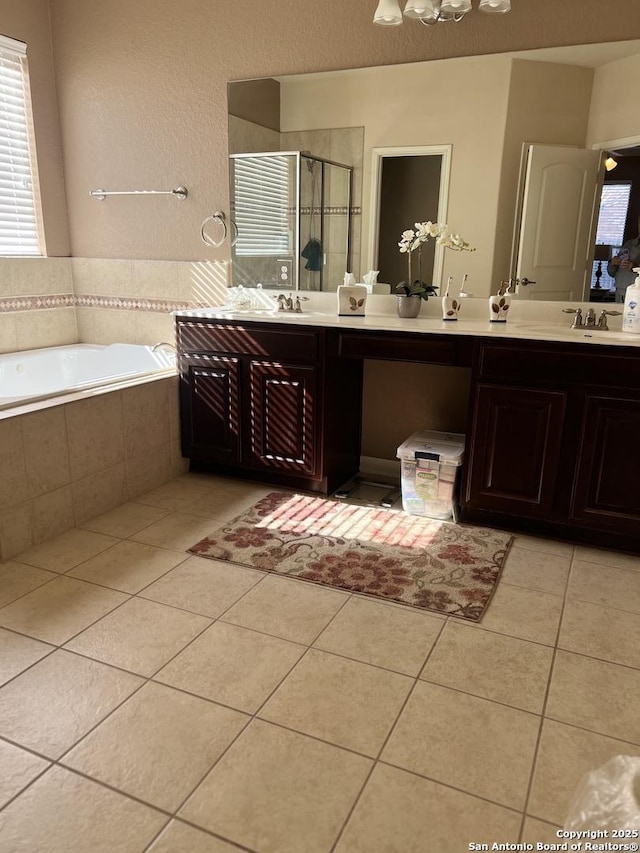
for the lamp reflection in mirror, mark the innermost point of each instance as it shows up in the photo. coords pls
(430, 12)
(610, 163)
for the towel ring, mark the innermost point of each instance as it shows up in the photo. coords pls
(219, 218)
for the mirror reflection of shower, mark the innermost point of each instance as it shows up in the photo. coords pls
(293, 213)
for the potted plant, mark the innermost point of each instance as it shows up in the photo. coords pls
(413, 291)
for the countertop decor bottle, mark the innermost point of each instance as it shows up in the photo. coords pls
(499, 303)
(450, 304)
(631, 310)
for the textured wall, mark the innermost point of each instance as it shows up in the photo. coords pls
(142, 91)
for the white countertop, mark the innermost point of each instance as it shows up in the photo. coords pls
(528, 321)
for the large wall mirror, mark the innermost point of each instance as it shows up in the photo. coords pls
(531, 209)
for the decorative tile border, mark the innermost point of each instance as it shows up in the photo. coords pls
(126, 303)
(37, 303)
(68, 300)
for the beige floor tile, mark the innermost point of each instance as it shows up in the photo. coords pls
(547, 546)
(125, 519)
(141, 636)
(540, 832)
(66, 551)
(233, 666)
(16, 580)
(402, 812)
(611, 587)
(52, 705)
(203, 586)
(491, 666)
(397, 638)
(180, 838)
(220, 505)
(157, 746)
(607, 558)
(64, 813)
(18, 769)
(345, 702)
(17, 653)
(276, 790)
(60, 609)
(565, 755)
(524, 613)
(176, 495)
(177, 531)
(470, 743)
(601, 632)
(288, 608)
(536, 570)
(128, 566)
(595, 695)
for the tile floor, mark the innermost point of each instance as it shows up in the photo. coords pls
(155, 701)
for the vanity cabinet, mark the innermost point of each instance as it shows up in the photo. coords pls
(271, 401)
(551, 438)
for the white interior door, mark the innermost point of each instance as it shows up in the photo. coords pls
(557, 215)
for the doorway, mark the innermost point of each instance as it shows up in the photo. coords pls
(409, 185)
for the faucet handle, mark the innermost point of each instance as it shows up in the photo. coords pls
(577, 320)
(602, 319)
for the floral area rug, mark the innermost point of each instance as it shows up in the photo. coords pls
(450, 568)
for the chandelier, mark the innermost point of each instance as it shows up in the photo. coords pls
(389, 14)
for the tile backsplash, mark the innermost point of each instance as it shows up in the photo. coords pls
(57, 301)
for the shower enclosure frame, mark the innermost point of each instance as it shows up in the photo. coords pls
(299, 156)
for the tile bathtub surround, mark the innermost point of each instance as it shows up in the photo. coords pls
(37, 303)
(63, 465)
(194, 705)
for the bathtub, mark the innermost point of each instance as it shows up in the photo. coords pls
(35, 375)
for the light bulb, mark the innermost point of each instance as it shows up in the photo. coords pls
(495, 5)
(456, 7)
(419, 9)
(388, 13)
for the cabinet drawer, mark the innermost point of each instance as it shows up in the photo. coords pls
(575, 364)
(429, 349)
(249, 339)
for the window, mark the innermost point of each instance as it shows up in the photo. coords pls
(18, 219)
(614, 204)
(262, 204)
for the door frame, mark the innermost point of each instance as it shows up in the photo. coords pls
(377, 157)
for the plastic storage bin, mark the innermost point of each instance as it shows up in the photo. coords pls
(430, 461)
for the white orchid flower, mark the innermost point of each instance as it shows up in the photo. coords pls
(408, 235)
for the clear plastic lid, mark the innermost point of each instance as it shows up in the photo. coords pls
(429, 444)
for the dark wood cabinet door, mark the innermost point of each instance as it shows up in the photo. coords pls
(283, 417)
(514, 450)
(607, 484)
(210, 395)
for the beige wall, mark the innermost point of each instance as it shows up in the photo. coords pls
(28, 20)
(548, 104)
(614, 113)
(142, 90)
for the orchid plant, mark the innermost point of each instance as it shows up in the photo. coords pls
(413, 240)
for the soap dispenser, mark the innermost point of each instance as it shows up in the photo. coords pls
(499, 303)
(631, 310)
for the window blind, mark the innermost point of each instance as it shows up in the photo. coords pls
(614, 205)
(18, 221)
(261, 196)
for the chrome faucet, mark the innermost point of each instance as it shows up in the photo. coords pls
(590, 319)
(286, 303)
(163, 345)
